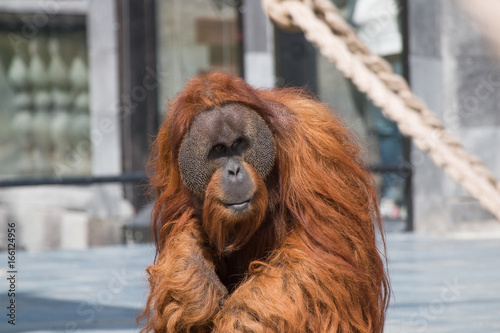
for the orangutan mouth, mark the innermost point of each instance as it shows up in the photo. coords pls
(239, 207)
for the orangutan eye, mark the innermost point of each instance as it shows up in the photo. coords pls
(219, 148)
(237, 143)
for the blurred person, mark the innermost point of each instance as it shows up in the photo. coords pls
(378, 26)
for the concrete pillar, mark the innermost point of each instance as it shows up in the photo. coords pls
(450, 69)
(105, 104)
(258, 46)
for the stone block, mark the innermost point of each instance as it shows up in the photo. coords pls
(257, 28)
(52, 237)
(483, 142)
(74, 230)
(424, 28)
(430, 217)
(105, 140)
(463, 39)
(479, 141)
(428, 199)
(482, 229)
(105, 101)
(38, 229)
(138, 229)
(466, 209)
(106, 231)
(261, 64)
(469, 219)
(478, 92)
(3, 227)
(108, 202)
(30, 230)
(50, 217)
(103, 25)
(426, 80)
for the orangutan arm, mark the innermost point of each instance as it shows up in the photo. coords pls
(187, 292)
(284, 295)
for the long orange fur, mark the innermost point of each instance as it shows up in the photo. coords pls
(311, 262)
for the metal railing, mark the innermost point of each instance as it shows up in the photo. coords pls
(81, 180)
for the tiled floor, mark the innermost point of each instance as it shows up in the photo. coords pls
(444, 285)
(439, 285)
(99, 290)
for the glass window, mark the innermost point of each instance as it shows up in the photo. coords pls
(44, 114)
(377, 23)
(195, 36)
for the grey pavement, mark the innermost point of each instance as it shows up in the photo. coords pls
(443, 285)
(95, 290)
(439, 285)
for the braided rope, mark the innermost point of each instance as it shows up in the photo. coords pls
(371, 74)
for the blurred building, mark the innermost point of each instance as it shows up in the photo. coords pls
(84, 86)
(61, 117)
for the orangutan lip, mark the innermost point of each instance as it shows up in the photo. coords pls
(239, 206)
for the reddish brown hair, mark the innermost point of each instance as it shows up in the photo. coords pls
(322, 213)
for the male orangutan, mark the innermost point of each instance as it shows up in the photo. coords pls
(265, 219)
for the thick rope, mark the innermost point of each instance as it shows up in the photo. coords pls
(371, 74)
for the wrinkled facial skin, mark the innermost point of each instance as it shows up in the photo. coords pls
(222, 139)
